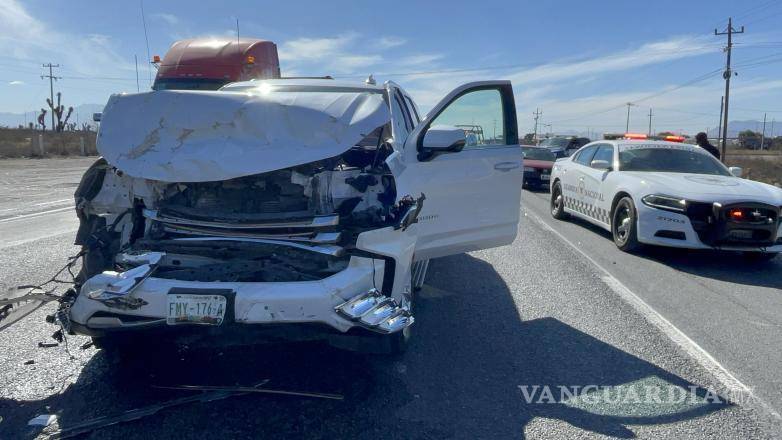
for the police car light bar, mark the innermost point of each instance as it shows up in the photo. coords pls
(643, 137)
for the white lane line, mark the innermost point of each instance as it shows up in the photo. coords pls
(35, 214)
(695, 351)
(54, 202)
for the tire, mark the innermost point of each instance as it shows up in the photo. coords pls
(557, 204)
(624, 225)
(760, 257)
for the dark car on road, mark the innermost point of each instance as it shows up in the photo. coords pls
(564, 146)
(537, 166)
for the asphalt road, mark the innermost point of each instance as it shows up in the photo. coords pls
(558, 308)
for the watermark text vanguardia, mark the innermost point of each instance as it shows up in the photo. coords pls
(638, 394)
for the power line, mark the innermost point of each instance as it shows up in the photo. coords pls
(146, 39)
(757, 110)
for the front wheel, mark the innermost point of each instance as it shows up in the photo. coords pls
(624, 225)
(558, 202)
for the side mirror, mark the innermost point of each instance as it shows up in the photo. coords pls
(736, 171)
(97, 117)
(601, 164)
(444, 138)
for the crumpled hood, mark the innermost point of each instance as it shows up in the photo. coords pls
(198, 136)
(694, 186)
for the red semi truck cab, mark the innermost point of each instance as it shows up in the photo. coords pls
(210, 63)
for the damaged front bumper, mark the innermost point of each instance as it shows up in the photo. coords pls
(371, 293)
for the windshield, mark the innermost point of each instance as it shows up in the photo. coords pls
(670, 160)
(555, 142)
(188, 84)
(538, 154)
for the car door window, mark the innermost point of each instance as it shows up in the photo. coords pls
(584, 157)
(480, 114)
(604, 152)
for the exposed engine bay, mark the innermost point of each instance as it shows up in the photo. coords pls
(232, 230)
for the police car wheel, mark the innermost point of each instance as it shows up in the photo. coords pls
(558, 202)
(623, 225)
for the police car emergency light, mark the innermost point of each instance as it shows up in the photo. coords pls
(660, 191)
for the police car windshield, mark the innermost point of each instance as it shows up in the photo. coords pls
(538, 154)
(670, 160)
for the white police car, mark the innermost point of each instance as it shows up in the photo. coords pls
(650, 191)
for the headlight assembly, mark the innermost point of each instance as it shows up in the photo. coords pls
(666, 203)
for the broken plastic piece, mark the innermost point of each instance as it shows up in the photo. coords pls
(42, 420)
(17, 303)
(253, 390)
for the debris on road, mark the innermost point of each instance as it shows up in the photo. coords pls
(16, 303)
(42, 420)
(139, 413)
(252, 390)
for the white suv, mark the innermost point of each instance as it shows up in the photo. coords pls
(286, 208)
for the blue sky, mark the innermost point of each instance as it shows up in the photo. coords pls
(577, 61)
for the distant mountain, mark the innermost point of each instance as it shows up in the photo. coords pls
(81, 113)
(734, 127)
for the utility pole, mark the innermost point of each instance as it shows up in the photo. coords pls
(537, 116)
(650, 121)
(52, 78)
(763, 133)
(719, 127)
(727, 74)
(627, 127)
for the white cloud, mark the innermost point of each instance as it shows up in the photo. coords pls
(424, 59)
(330, 55)
(534, 84)
(16, 83)
(350, 63)
(650, 53)
(170, 19)
(315, 49)
(25, 37)
(389, 42)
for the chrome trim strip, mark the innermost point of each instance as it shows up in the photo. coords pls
(326, 249)
(320, 221)
(303, 237)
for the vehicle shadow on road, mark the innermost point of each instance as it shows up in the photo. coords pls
(463, 377)
(719, 265)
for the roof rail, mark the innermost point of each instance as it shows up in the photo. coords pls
(307, 77)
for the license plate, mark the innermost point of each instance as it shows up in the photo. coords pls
(741, 234)
(195, 309)
(544, 177)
